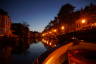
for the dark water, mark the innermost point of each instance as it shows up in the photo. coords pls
(32, 53)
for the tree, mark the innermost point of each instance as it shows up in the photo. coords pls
(21, 31)
(3, 12)
(91, 9)
(66, 9)
(66, 13)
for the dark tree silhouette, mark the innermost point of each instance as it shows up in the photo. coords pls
(65, 9)
(91, 9)
(66, 13)
(21, 31)
(3, 12)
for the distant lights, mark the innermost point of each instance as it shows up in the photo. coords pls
(50, 43)
(50, 32)
(83, 21)
(55, 45)
(54, 30)
(43, 34)
(47, 42)
(94, 24)
(62, 27)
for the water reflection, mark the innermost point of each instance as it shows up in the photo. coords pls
(49, 42)
(35, 50)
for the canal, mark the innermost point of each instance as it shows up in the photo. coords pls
(35, 50)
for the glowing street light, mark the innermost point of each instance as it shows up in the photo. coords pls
(94, 24)
(47, 42)
(43, 34)
(50, 43)
(62, 27)
(54, 30)
(55, 45)
(83, 21)
(50, 32)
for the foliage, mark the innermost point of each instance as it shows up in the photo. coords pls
(3, 12)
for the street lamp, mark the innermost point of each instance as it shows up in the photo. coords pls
(83, 21)
(50, 32)
(54, 30)
(43, 34)
(62, 27)
(50, 43)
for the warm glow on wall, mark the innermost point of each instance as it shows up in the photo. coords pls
(54, 30)
(83, 21)
(43, 34)
(50, 43)
(50, 32)
(62, 27)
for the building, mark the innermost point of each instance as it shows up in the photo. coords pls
(86, 20)
(5, 23)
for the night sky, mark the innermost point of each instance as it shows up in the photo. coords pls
(38, 13)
